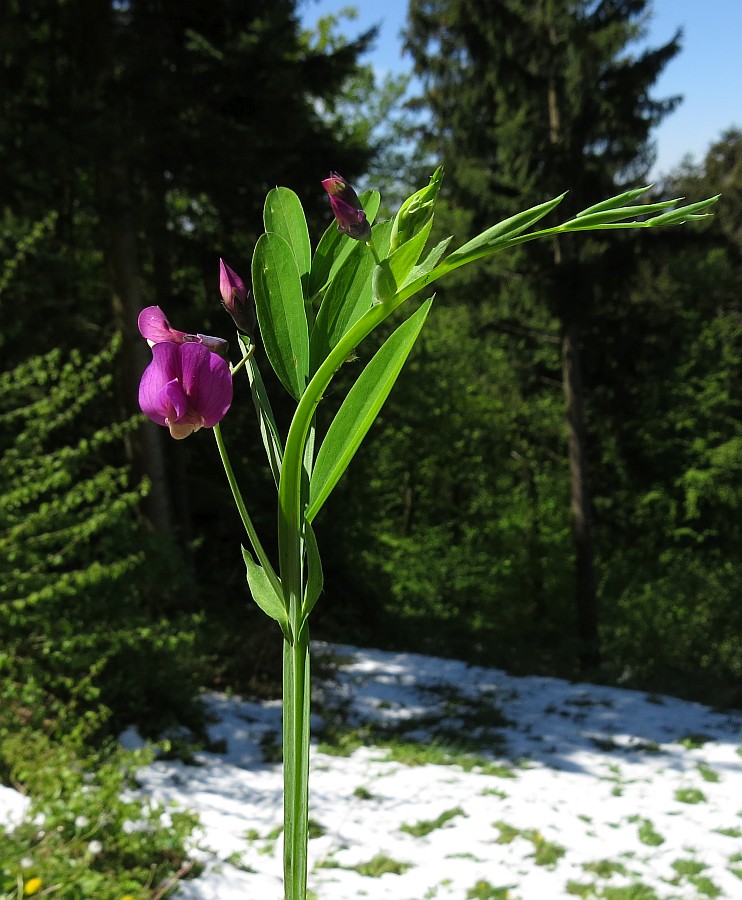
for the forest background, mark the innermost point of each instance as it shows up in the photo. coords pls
(554, 485)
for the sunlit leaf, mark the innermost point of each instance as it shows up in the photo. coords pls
(281, 316)
(360, 408)
(284, 215)
(264, 595)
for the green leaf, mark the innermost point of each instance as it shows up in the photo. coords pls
(615, 202)
(491, 239)
(360, 408)
(268, 428)
(405, 257)
(430, 261)
(617, 214)
(347, 298)
(264, 595)
(280, 305)
(685, 213)
(284, 215)
(334, 247)
(498, 237)
(315, 576)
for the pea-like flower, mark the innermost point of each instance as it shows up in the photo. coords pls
(186, 387)
(347, 208)
(155, 328)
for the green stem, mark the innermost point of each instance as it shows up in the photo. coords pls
(296, 677)
(244, 515)
(296, 699)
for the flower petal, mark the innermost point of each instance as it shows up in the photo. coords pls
(207, 381)
(164, 368)
(154, 326)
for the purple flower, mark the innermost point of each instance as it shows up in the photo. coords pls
(236, 299)
(155, 328)
(185, 387)
(347, 208)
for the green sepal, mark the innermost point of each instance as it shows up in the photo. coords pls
(264, 595)
(334, 247)
(281, 315)
(284, 215)
(360, 408)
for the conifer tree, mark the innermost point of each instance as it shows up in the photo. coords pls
(526, 99)
(154, 128)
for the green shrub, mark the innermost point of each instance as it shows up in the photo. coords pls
(88, 597)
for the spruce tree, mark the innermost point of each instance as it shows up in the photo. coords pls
(525, 100)
(154, 128)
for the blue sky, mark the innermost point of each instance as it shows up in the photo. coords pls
(707, 71)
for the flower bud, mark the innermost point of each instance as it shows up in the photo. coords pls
(346, 207)
(383, 282)
(237, 299)
(415, 212)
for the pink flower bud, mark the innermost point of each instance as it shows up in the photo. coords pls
(347, 208)
(237, 299)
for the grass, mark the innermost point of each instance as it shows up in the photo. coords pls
(413, 753)
(363, 793)
(690, 795)
(483, 890)
(379, 865)
(545, 853)
(426, 826)
(708, 774)
(457, 730)
(647, 834)
(605, 868)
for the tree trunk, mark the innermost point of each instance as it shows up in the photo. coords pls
(147, 448)
(585, 584)
(586, 599)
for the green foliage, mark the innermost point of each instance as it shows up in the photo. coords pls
(426, 826)
(85, 835)
(483, 890)
(360, 408)
(88, 602)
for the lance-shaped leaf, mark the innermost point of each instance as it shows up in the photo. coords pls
(405, 257)
(334, 247)
(264, 595)
(280, 304)
(430, 261)
(284, 215)
(360, 408)
(688, 213)
(315, 576)
(347, 298)
(268, 428)
(491, 239)
(588, 221)
(615, 202)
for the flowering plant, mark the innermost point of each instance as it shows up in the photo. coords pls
(312, 309)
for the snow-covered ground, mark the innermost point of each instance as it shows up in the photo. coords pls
(530, 788)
